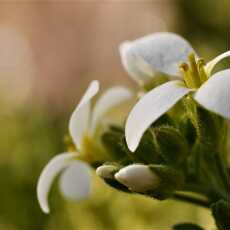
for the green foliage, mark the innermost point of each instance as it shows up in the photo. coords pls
(21, 161)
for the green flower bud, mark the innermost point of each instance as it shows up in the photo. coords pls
(146, 153)
(112, 139)
(173, 146)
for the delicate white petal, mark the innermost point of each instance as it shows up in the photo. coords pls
(136, 66)
(111, 98)
(214, 94)
(51, 170)
(138, 178)
(164, 52)
(210, 65)
(75, 181)
(79, 121)
(149, 108)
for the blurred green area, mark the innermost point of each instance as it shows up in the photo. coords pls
(206, 24)
(30, 136)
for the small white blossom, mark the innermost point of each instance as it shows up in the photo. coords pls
(75, 174)
(168, 53)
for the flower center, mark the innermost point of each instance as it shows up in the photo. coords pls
(193, 72)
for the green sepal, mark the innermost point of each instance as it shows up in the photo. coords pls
(212, 127)
(173, 146)
(170, 180)
(113, 141)
(188, 130)
(148, 151)
(187, 226)
(221, 213)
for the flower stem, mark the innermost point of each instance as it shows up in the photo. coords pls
(190, 199)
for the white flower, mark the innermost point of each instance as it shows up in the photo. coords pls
(138, 178)
(168, 53)
(146, 56)
(75, 174)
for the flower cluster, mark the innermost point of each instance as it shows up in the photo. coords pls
(173, 141)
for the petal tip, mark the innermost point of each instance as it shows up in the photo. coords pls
(49, 173)
(42, 199)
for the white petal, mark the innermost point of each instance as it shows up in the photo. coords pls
(164, 52)
(51, 170)
(79, 121)
(138, 178)
(137, 68)
(150, 107)
(111, 98)
(210, 65)
(75, 181)
(214, 94)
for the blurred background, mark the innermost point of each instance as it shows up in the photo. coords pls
(49, 51)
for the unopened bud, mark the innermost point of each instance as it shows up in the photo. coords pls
(138, 178)
(106, 171)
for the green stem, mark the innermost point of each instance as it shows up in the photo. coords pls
(190, 199)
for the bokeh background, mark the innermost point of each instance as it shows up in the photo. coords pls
(49, 51)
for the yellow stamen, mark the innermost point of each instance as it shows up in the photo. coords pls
(194, 70)
(184, 68)
(202, 73)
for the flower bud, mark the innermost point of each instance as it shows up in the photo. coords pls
(158, 181)
(138, 178)
(173, 146)
(106, 171)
